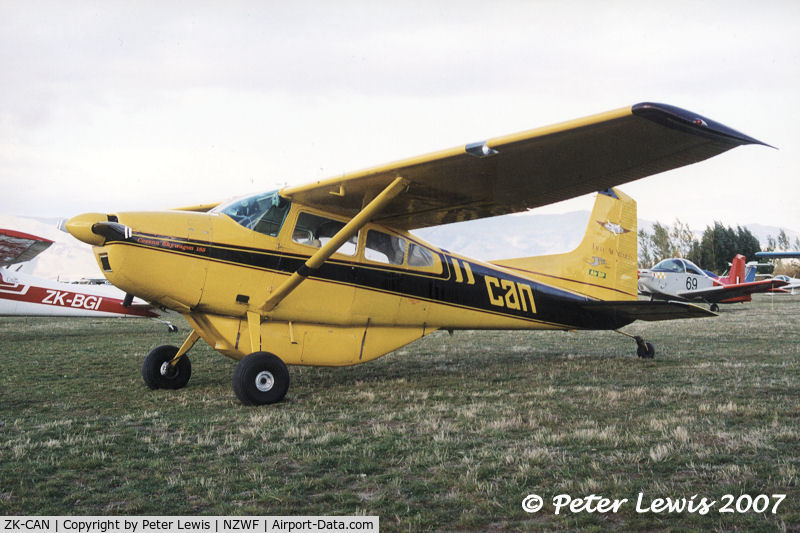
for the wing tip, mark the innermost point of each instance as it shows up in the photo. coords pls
(683, 119)
(22, 235)
(20, 247)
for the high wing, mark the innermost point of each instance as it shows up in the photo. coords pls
(778, 255)
(18, 247)
(724, 292)
(529, 169)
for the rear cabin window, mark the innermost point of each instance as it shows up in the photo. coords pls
(314, 230)
(384, 248)
(419, 256)
(393, 250)
(263, 213)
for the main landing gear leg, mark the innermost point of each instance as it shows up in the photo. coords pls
(168, 367)
(644, 349)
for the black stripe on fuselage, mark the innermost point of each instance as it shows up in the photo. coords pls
(552, 305)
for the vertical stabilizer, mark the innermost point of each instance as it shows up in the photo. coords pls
(604, 265)
(737, 274)
(750, 270)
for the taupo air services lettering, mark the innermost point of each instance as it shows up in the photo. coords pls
(510, 294)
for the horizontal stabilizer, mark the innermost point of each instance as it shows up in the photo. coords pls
(649, 311)
(721, 293)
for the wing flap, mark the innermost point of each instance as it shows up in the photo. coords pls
(529, 169)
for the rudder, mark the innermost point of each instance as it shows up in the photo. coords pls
(738, 274)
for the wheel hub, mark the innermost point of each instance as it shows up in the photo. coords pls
(265, 381)
(167, 370)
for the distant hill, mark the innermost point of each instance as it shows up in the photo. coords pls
(510, 236)
(524, 235)
(762, 232)
(503, 237)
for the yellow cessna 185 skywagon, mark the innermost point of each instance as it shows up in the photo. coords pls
(328, 274)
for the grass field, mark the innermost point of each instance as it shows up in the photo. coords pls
(449, 433)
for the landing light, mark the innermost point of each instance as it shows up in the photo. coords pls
(479, 149)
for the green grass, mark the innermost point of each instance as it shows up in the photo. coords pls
(449, 433)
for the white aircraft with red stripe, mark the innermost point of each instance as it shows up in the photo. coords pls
(680, 279)
(26, 295)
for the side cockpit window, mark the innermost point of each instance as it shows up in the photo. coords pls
(263, 213)
(314, 230)
(691, 268)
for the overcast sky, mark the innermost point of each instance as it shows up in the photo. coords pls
(111, 106)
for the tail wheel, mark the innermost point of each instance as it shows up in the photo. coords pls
(260, 378)
(646, 350)
(158, 373)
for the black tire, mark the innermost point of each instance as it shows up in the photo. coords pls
(714, 308)
(158, 374)
(260, 378)
(648, 351)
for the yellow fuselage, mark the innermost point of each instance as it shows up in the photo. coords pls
(352, 309)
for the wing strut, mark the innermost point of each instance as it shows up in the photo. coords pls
(351, 228)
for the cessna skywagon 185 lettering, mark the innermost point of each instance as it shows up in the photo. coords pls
(328, 274)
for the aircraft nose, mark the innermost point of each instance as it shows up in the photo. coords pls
(96, 229)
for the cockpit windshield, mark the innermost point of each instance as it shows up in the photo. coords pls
(691, 268)
(263, 212)
(669, 265)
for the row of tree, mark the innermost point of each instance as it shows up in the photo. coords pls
(713, 251)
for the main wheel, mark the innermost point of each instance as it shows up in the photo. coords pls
(159, 374)
(714, 308)
(646, 350)
(260, 378)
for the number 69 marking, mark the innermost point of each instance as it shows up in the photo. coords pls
(691, 283)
